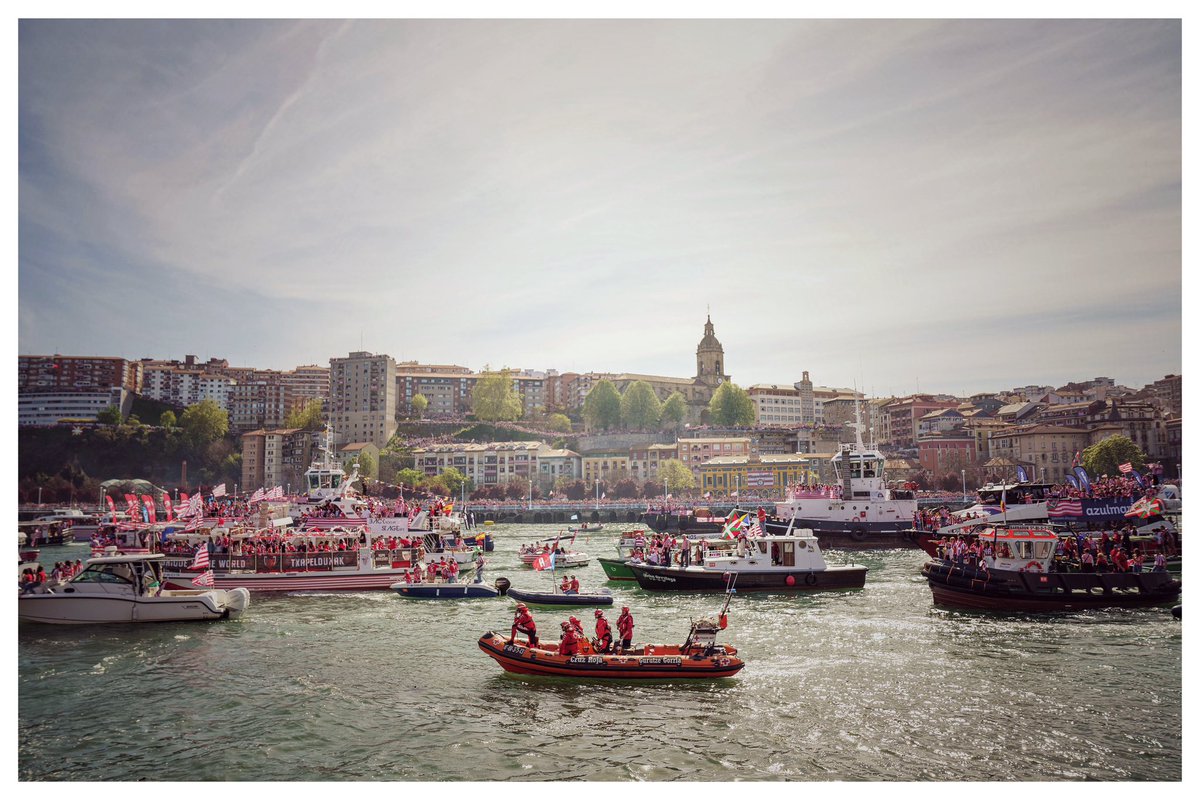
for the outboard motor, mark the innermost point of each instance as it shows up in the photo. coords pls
(502, 585)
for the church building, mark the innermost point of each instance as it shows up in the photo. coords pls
(696, 391)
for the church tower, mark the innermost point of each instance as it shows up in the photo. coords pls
(710, 359)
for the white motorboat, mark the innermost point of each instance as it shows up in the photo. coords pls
(127, 589)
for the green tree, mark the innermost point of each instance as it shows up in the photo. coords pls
(674, 412)
(494, 399)
(730, 405)
(167, 419)
(410, 477)
(676, 475)
(367, 468)
(204, 422)
(453, 480)
(307, 417)
(640, 407)
(419, 403)
(560, 423)
(602, 406)
(1106, 456)
(110, 416)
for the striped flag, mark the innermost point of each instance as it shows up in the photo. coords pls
(274, 494)
(755, 530)
(167, 507)
(194, 524)
(219, 491)
(1127, 467)
(258, 495)
(205, 579)
(201, 560)
(1064, 508)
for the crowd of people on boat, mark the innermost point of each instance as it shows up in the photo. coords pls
(1113, 551)
(444, 570)
(573, 640)
(35, 579)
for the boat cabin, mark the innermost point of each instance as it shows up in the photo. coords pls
(140, 575)
(792, 552)
(1021, 549)
(1015, 492)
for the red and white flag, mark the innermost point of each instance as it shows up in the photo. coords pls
(148, 502)
(167, 510)
(201, 560)
(205, 579)
(1127, 467)
(258, 495)
(194, 524)
(131, 506)
(219, 490)
(755, 530)
(112, 507)
(275, 494)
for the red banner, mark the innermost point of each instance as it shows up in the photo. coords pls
(148, 502)
(168, 512)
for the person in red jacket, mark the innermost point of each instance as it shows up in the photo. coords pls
(574, 585)
(523, 623)
(603, 633)
(569, 644)
(625, 628)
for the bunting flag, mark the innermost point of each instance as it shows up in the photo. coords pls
(148, 503)
(167, 510)
(544, 561)
(219, 490)
(1126, 468)
(201, 560)
(205, 580)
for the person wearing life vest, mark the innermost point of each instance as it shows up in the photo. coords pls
(523, 623)
(565, 585)
(603, 633)
(568, 645)
(625, 628)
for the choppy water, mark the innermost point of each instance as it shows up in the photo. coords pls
(867, 685)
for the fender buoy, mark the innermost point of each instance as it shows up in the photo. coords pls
(858, 534)
(791, 580)
(1034, 566)
(810, 579)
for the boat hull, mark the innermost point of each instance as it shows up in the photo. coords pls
(556, 599)
(844, 535)
(65, 609)
(697, 579)
(445, 591)
(295, 582)
(523, 660)
(970, 589)
(616, 569)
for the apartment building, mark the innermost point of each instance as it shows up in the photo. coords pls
(486, 464)
(276, 457)
(59, 373)
(362, 398)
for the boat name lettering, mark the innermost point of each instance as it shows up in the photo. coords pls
(650, 576)
(665, 660)
(586, 660)
(512, 648)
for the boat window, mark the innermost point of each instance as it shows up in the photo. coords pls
(762, 547)
(1042, 549)
(1022, 550)
(102, 573)
(336, 480)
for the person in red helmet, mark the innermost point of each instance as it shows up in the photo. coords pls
(603, 633)
(625, 628)
(569, 644)
(523, 623)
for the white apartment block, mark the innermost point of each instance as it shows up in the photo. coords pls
(486, 464)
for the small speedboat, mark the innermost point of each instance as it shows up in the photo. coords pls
(560, 598)
(444, 591)
(127, 589)
(699, 657)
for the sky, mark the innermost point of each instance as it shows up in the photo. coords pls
(942, 206)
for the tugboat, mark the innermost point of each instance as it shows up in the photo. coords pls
(788, 563)
(1021, 579)
(699, 657)
(865, 513)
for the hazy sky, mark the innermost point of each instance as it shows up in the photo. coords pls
(963, 206)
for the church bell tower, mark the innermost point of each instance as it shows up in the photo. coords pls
(710, 359)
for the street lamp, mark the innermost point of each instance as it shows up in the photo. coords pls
(531, 494)
(597, 494)
(964, 476)
(39, 495)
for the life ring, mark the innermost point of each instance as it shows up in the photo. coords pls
(811, 579)
(1034, 566)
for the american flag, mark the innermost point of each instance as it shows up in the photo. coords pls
(205, 579)
(1064, 508)
(219, 491)
(1127, 467)
(755, 530)
(201, 560)
(258, 495)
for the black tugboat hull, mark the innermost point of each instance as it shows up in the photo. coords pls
(1032, 592)
(676, 579)
(848, 536)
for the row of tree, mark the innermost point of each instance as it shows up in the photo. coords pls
(639, 408)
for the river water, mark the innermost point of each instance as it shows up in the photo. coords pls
(874, 684)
